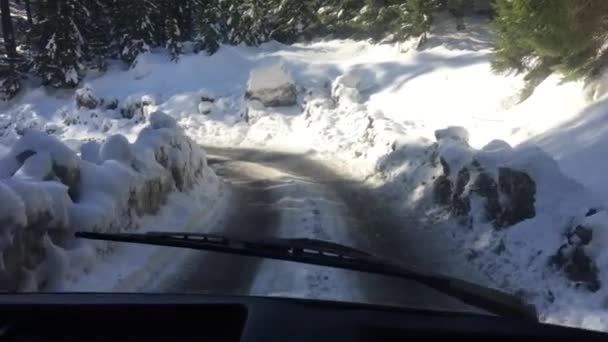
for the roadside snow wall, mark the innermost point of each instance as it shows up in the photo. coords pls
(48, 192)
(513, 214)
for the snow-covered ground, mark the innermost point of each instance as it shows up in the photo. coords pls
(374, 111)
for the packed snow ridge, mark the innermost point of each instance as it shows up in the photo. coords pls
(48, 192)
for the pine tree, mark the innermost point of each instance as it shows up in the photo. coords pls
(418, 18)
(134, 30)
(206, 24)
(233, 20)
(176, 21)
(254, 24)
(94, 28)
(394, 19)
(291, 20)
(336, 17)
(60, 46)
(540, 37)
(565, 35)
(7, 30)
(10, 83)
(229, 22)
(173, 32)
(185, 18)
(28, 12)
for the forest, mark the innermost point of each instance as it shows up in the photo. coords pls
(60, 40)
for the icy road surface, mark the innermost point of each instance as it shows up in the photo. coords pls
(287, 195)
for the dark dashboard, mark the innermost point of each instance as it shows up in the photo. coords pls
(154, 317)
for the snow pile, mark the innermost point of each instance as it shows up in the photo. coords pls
(529, 228)
(85, 98)
(48, 192)
(272, 86)
(351, 85)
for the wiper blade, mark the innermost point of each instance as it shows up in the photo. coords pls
(327, 247)
(324, 253)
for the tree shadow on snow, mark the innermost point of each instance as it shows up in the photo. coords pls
(393, 76)
(579, 140)
(373, 225)
(474, 37)
(367, 211)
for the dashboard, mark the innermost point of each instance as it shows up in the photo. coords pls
(174, 317)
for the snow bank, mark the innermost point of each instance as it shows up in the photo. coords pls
(48, 192)
(512, 212)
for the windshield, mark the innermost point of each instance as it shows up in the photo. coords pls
(459, 137)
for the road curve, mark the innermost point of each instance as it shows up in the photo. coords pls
(279, 194)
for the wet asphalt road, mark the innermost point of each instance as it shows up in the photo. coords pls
(255, 178)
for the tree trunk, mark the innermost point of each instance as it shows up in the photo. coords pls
(7, 29)
(28, 10)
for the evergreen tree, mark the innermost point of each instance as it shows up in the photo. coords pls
(418, 18)
(59, 44)
(94, 28)
(134, 34)
(185, 18)
(173, 32)
(232, 22)
(291, 19)
(7, 30)
(255, 21)
(565, 35)
(394, 19)
(10, 83)
(207, 25)
(28, 12)
(336, 17)
(177, 24)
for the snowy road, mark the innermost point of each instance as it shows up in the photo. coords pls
(291, 195)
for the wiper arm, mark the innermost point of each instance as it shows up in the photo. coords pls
(323, 253)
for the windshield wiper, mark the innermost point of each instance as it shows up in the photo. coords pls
(330, 254)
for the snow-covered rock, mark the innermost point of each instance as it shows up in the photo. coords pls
(505, 192)
(86, 98)
(575, 257)
(137, 106)
(205, 107)
(207, 103)
(272, 85)
(109, 104)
